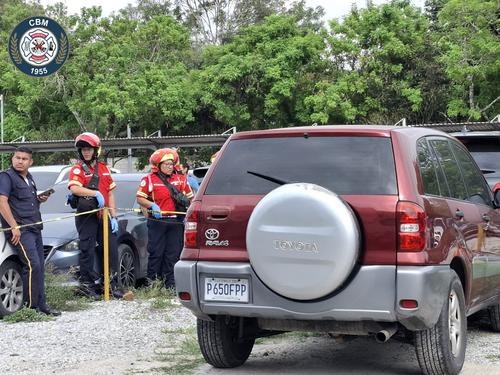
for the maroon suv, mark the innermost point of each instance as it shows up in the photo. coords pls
(359, 230)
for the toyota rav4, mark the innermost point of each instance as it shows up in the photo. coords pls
(357, 230)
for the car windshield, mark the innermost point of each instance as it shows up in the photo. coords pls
(43, 179)
(124, 194)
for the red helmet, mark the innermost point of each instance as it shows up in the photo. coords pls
(161, 155)
(88, 139)
(214, 156)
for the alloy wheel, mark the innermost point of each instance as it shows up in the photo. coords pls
(455, 324)
(11, 290)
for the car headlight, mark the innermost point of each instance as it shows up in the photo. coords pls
(70, 246)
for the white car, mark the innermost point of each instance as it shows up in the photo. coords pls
(46, 176)
(11, 282)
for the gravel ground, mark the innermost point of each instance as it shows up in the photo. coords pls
(109, 338)
(122, 337)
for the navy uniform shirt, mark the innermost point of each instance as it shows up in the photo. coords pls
(22, 198)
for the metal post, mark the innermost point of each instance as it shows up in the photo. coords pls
(129, 150)
(105, 232)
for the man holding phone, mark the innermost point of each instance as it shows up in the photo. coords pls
(20, 205)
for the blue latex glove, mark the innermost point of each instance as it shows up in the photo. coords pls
(114, 225)
(100, 199)
(155, 211)
(69, 197)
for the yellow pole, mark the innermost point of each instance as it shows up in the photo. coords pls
(106, 253)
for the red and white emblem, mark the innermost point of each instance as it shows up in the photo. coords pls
(38, 46)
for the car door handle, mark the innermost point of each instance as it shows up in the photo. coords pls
(218, 214)
(459, 214)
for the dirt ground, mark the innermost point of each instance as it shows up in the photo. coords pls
(361, 355)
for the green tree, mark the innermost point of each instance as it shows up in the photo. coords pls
(469, 40)
(127, 71)
(259, 79)
(373, 73)
(216, 22)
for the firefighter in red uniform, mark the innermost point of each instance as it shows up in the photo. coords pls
(165, 230)
(93, 189)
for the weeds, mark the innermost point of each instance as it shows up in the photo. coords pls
(182, 331)
(493, 357)
(26, 315)
(161, 298)
(185, 356)
(61, 295)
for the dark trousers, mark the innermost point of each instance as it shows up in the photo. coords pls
(165, 244)
(90, 232)
(30, 249)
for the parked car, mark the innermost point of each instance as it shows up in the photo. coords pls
(199, 173)
(484, 147)
(46, 176)
(60, 237)
(11, 282)
(358, 230)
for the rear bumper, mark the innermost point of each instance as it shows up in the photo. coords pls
(373, 294)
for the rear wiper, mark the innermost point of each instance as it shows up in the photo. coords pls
(269, 178)
(488, 171)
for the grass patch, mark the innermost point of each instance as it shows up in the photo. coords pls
(61, 295)
(26, 315)
(161, 297)
(493, 357)
(185, 357)
(191, 331)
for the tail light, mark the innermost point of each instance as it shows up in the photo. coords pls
(190, 251)
(411, 222)
(496, 187)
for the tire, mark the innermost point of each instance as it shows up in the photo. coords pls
(11, 288)
(441, 349)
(219, 342)
(494, 312)
(303, 241)
(127, 277)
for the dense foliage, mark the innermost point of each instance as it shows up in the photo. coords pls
(192, 67)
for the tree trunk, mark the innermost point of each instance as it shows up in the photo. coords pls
(471, 91)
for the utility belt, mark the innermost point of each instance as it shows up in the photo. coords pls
(86, 204)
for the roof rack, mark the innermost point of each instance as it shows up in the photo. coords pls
(450, 127)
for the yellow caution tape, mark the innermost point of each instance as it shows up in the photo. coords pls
(149, 211)
(49, 220)
(85, 213)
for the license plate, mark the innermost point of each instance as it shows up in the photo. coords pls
(219, 289)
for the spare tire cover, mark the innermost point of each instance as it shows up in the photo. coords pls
(302, 241)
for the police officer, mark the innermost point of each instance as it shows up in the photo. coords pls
(165, 230)
(91, 182)
(20, 205)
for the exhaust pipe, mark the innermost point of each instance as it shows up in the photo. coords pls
(386, 334)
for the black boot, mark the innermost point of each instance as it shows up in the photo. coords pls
(116, 291)
(90, 291)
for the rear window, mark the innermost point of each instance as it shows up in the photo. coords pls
(345, 165)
